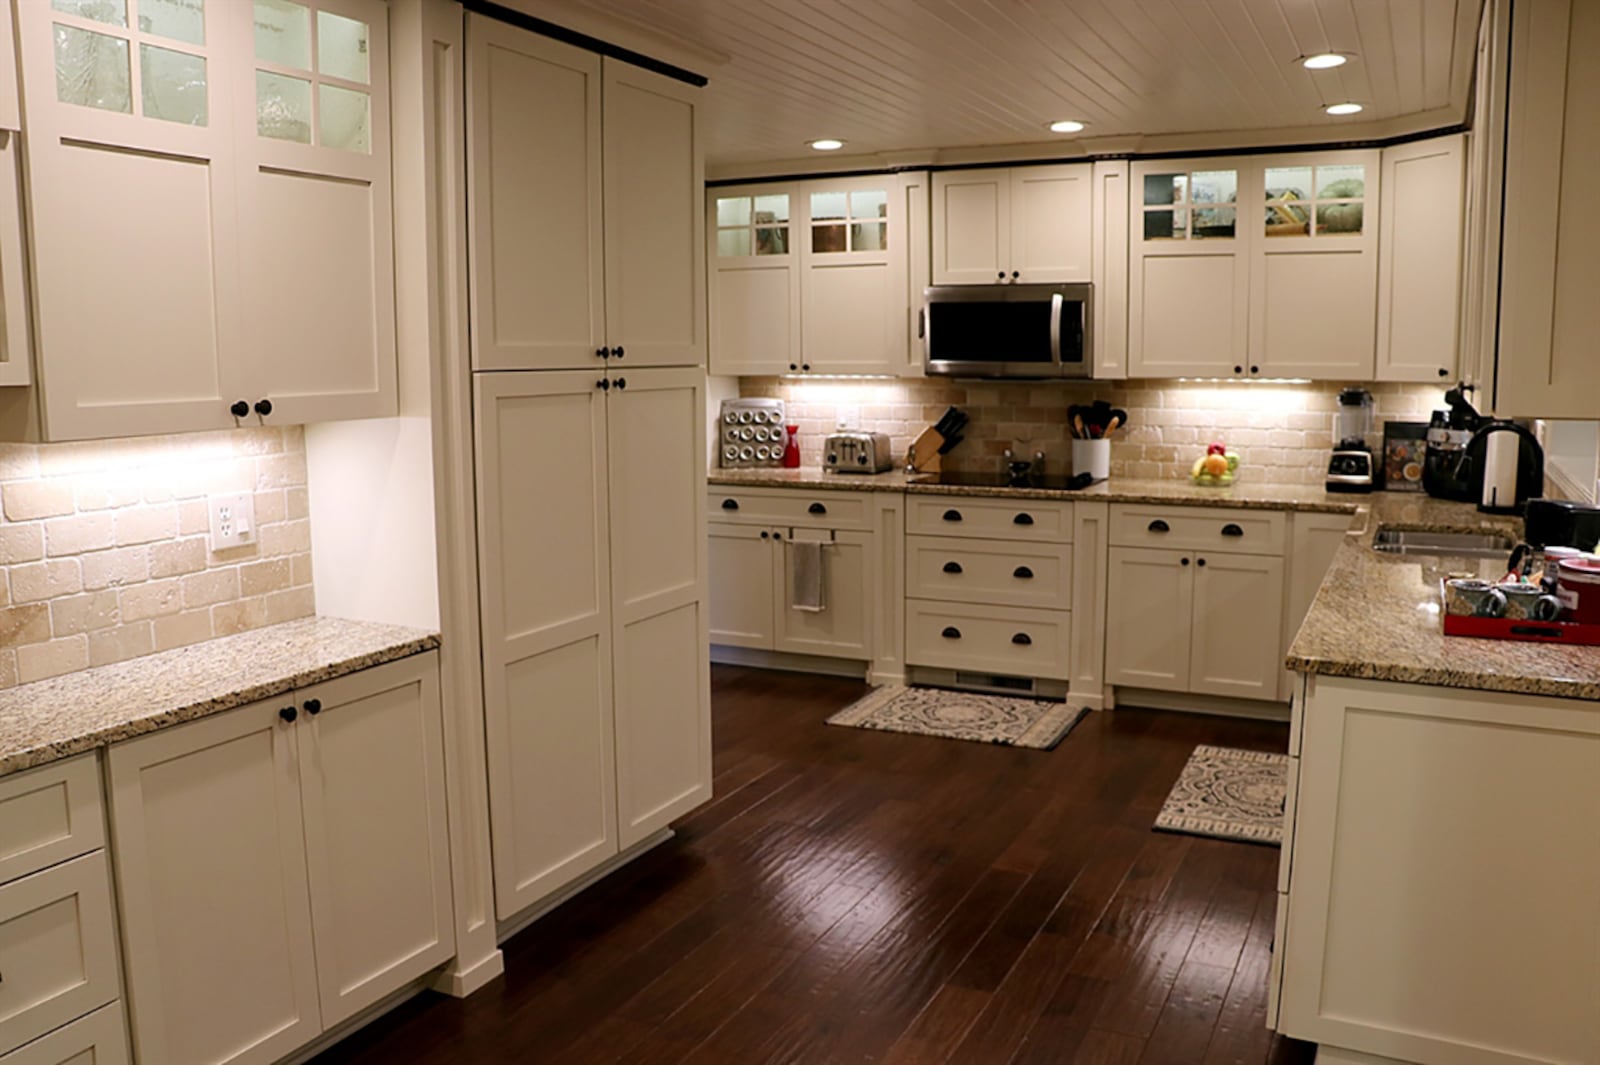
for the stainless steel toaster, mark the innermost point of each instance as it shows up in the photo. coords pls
(855, 452)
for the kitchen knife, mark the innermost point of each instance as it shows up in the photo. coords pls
(949, 445)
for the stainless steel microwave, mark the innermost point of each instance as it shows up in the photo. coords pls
(1017, 331)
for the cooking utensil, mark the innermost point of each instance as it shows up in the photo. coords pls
(1077, 427)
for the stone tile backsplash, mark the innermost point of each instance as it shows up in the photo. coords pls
(105, 555)
(1282, 431)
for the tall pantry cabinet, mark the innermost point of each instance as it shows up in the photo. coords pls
(588, 333)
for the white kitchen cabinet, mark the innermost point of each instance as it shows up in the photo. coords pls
(1315, 539)
(1550, 240)
(16, 332)
(914, 192)
(1425, 817)
(852, 276)
(584, 207)
(1483, 195)
(101, 1038)
(1419, 260)
(841, 630)
(742, 586)
(1020, 225)
(1149, 612)
(211, 239)
(10, 105)
(755, 280)
(1109, 236)
(1237, 626)
(294, 847)
(48, 815)
(596, 686)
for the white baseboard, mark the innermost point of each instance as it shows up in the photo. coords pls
(1223, 706)
(459, 983)
(745, 656)
(509, 927)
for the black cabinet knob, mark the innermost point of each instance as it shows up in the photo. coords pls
(1022, 573)
(806, 366)
(1255, 369)
(765, 534)
(617, 352)
(816, 508)
(604, 353)
(603, 385)
(1015, 274)
(952, 515)
(777, 535)
(951, 633)
(1238, 369)
(1231, 529)
(1001, 275)
(1184, 561)
(289, 713)
(622, 382)
(240, 409)
(1202, 562)
(1022, 519)
(793, 367)
(1443, 372)
(730, 504)
(952, 567)
(1022, 639)
(313, 707)
(1159, 526)
(263, 407)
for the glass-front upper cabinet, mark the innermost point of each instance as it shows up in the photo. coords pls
(754, 298)
(1190, 204)
(852, 276)
(751, 224)
(1316, 200)
(849, 220)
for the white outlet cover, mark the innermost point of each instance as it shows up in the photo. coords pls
(233, 520)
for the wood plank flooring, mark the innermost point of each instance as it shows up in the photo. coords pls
(857, 896)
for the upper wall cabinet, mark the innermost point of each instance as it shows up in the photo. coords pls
(809, 277)
(10, 106)
(1550, 244)
(16, 340)
(211, 223)
(585, 208)
(1419, 260)
(1023, 225)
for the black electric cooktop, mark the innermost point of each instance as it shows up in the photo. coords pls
(1050, 481)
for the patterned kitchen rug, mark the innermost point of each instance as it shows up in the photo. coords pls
(1227, 793)
(954, 715)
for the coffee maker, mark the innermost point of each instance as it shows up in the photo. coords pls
(1351, 464)
(1449, 432)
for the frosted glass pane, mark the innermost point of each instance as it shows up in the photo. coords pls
(1336, 219)
(1160, 189)
(1288, 183)
(828, 205)
(1341, 182)
(871, 204)
(173, 85)
(733, 211)
(283, 33)
(342, 47)
(1214, 186)
(772, 208)
(868, 236)
(283, 107)
(346, 118)
(772, 240)
(180, 20)
(111, 12)
(733, 243)
(1215, 223)
(826, 239)
(92, 70)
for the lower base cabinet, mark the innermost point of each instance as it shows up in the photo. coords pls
(282, 866)
(752, 569)
(101, 1038)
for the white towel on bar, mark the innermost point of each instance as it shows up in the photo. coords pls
(805, 576)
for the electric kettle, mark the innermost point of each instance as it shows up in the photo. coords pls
(1505, 462)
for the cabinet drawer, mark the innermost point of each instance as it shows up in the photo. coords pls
(1248, 532)
(1031, 520)
(1009, 640)
(98, 1039)
(58, 951)
(786, 506)
(48, 815)
(989, 571)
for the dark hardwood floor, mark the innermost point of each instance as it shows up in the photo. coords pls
(856, 896)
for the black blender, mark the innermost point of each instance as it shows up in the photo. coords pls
(1350, 468)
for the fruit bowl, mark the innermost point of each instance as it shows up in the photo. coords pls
(1217, 468)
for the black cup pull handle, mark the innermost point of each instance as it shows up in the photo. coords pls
(730, 504)
(1022, 519)
(951, 633)
(816, 508)
(952, 515)
(1022, 639)
(1159, 526)
(1231, 529)
(952, 567)
(1022, 573)
(288, 714)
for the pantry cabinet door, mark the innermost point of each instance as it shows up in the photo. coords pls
(545, 594)
(657, 467)
(1149, 601)
(134, 215)
(533, 200)
(752, 246)
(1314, 268)
(209, 847)
(1236, 630)
(853, 271)
(371, 749)
(1050, 223)
(739, 570)
(841, 629)
(972, 227)
(1419, 260)
(317, 219)
(655, 213)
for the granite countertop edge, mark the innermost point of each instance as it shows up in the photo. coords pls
(38, 720)
(1438, 677)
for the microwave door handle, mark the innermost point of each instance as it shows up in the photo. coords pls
(1056, 303)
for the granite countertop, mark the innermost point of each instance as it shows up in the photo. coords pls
(53, 719)
(809, 477)
(1376, 615)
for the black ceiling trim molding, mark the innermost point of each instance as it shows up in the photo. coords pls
(502, 13)
(1276, 149)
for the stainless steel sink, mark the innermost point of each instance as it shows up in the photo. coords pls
(1457, 545)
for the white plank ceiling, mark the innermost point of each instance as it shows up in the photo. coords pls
(894, 76)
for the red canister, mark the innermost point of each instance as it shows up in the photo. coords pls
(1578, 587)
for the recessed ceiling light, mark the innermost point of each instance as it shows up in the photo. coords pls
(1066, 125)
(1324, 61)
(827, 144)
(1343, 109)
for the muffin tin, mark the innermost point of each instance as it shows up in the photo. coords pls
(751, 433)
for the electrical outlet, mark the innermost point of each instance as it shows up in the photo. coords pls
(233, 520)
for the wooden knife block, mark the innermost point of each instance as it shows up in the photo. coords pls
(926, 447)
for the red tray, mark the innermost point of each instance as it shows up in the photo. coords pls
(1530, 631)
